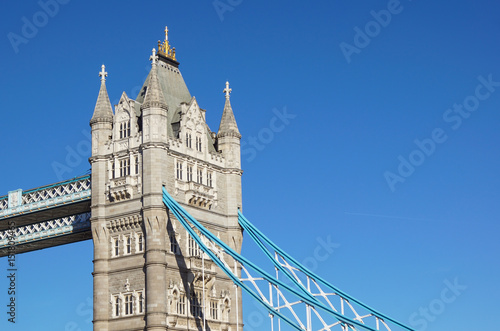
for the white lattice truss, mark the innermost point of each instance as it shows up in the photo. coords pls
(303, 315)
(335, 301)
(48, 196)
(4, 203)
(45, 230)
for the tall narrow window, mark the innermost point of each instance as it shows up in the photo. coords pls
(181, 304)
(179, 170)
(117, 306)
(198, 144)
(116, 247)
(188, 139)
(128, 246)
(124, 167)
(195, 304)
(199, 176)
(174, 246)
(193, 249)
(112, 170)
(214, 309)
(209, 179)
(189, 173)
(140, 242)
(129, 304)
(137, 165)
(140, 305)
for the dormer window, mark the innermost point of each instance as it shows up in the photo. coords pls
(124, 129)
(188, 140)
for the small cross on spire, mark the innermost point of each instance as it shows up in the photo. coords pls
(166, 33)
(103, 74)
(227, 90)
(153, 57)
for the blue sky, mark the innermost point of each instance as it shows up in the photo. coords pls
(388, 149)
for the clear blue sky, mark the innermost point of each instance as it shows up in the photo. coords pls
(365, 104)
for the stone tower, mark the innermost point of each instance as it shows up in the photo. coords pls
(148, 273)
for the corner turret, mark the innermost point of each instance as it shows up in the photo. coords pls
(102, 111)
(154, 108)
(102, 119)
(228, 136)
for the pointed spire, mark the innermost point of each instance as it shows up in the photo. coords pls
(154, 95)
(102, 111)
(228, 126)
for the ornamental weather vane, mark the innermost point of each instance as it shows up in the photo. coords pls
(164, 49)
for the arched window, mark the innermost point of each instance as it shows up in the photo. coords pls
(116, 247)
(128, 245)
(140, 242)
(117, 306)
(140, 308)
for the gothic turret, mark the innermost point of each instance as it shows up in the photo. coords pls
(228, 137)
(154, 108)
(228, 125)
(102, 111)
(154, 96)
(102, 119)
(102, 128)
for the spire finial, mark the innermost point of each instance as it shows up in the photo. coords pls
(103, 74)
(227, 90)
(153, 58)
(166, 33)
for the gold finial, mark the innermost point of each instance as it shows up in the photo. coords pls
(165, 49)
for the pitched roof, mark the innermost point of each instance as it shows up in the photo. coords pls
(172, 86)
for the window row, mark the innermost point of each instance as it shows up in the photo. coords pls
(134, 243)
(122, 167)
(127, 244)
(126, 304)
(193, 249)
(202, 177)
(196, 306)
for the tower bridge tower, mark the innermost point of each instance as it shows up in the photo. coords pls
(148, 273)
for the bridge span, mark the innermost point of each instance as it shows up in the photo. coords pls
(45, 216)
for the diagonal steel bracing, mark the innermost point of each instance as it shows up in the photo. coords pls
(46, 216)
(304, 301)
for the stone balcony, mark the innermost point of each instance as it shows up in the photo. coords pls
(197, 194)
(122, 188)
